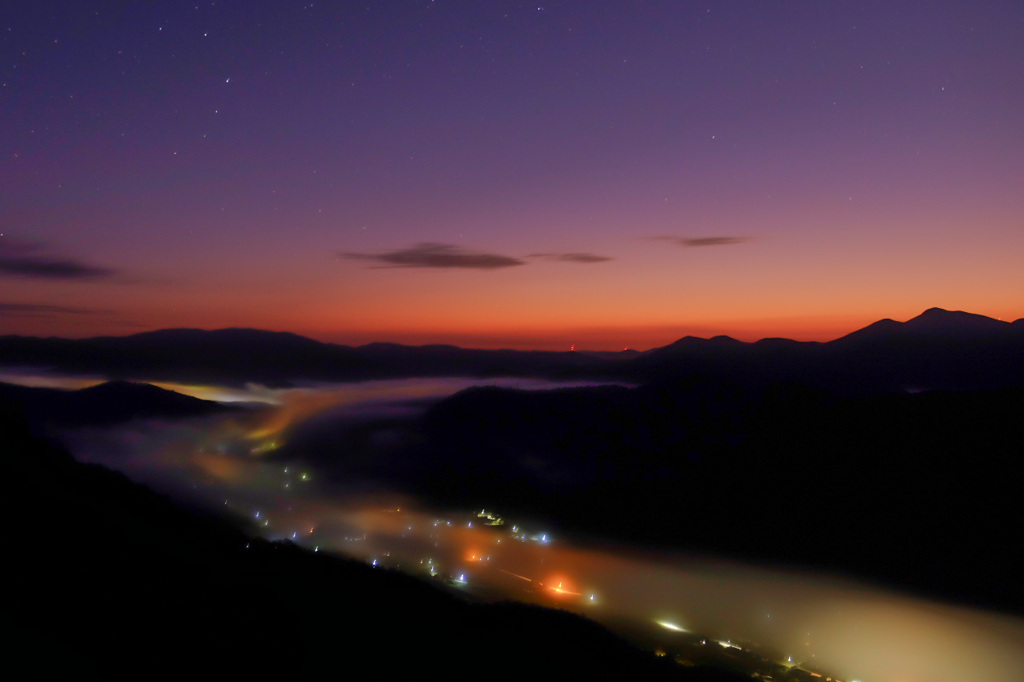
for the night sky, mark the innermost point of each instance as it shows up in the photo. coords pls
(505, 174)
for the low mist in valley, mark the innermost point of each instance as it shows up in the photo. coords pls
(335, 468)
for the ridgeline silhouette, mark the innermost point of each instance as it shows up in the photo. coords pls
(937, 350)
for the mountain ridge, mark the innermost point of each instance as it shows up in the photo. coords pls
(105, 403)
(936, 349)
(934, 317)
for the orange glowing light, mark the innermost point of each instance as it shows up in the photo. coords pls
(562, 587)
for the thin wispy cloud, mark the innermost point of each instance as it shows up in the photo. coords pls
(34, 260)
(572, 257)
(42, 310)
(444, 256)
(434, 255)
(703, 241)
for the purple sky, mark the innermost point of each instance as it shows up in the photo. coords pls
(509, 174)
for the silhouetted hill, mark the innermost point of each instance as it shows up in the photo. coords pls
(934, 323)
(104, 404)
(232, 356)
(916, 490)
(958, 322)
(873, 333)
(114, 581)
(239, 356)
(938, 350)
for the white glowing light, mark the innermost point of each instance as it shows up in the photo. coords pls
(664, 623)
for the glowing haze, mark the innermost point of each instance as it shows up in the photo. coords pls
(823, 623)
(509, 174)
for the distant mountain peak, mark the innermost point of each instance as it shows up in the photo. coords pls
(228, 333)
(941, 320)
(118, 389)
(933, 322)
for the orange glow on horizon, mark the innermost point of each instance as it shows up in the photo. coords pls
(523, 324)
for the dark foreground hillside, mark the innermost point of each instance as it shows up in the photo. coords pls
(111, 402)
(112, 579)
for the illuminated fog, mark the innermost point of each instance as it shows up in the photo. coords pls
(849, 630)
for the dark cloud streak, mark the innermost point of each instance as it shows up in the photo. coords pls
(572, 257)
(703, 241)
(445, 256)
(42, 310)
(21, 259)
(434, 255)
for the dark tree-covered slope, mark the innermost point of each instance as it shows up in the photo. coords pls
(109, 579)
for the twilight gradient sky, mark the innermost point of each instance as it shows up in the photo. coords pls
(511, 174)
